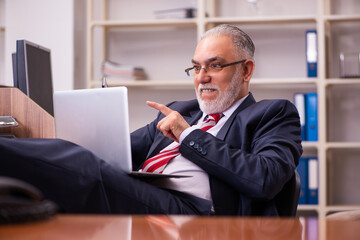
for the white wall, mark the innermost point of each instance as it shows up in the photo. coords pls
(49, 23)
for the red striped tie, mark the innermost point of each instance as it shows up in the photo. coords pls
(158, 163)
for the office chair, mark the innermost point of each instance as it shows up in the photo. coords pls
(288, 198)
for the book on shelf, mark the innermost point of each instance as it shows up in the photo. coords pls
(122, 71)
(176, 13)
(308, 171)
(311, 53)
(307, 106)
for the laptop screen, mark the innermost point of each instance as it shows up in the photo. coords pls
(97, 119)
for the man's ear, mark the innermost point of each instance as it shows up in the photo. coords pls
(248, 69)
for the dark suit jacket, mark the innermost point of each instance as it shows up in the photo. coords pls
(254, 154)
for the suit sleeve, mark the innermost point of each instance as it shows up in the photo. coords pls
(260, 153)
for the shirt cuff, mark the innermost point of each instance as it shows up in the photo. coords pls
(186, 132)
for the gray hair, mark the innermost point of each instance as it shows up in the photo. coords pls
(240, 39)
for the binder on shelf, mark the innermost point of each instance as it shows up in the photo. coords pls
(311, 53)
(311, 116)
(313, 188)
(299, 102)
(302, 169)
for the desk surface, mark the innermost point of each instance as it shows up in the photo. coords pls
(180, 227)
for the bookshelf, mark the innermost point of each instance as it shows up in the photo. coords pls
(123, 33)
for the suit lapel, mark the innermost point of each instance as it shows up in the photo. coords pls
(225, 129)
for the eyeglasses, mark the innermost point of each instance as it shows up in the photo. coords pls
(212, 67)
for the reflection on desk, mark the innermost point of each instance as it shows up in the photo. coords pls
(180, 227)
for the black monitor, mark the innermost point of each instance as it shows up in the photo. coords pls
(32, 73)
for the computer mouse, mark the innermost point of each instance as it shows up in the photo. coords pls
(22, 202)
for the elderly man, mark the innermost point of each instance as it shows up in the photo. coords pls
(239, 152)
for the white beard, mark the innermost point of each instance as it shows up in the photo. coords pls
(225, 98)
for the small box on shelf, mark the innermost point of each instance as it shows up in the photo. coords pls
(350, 65)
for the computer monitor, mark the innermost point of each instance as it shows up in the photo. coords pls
(32, 73)
(14, 65)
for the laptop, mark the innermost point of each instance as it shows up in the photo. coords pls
(98, 120)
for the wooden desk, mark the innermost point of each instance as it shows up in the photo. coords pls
(106, 227)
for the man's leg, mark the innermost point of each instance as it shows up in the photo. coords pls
(80, 182)
(133, 196)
